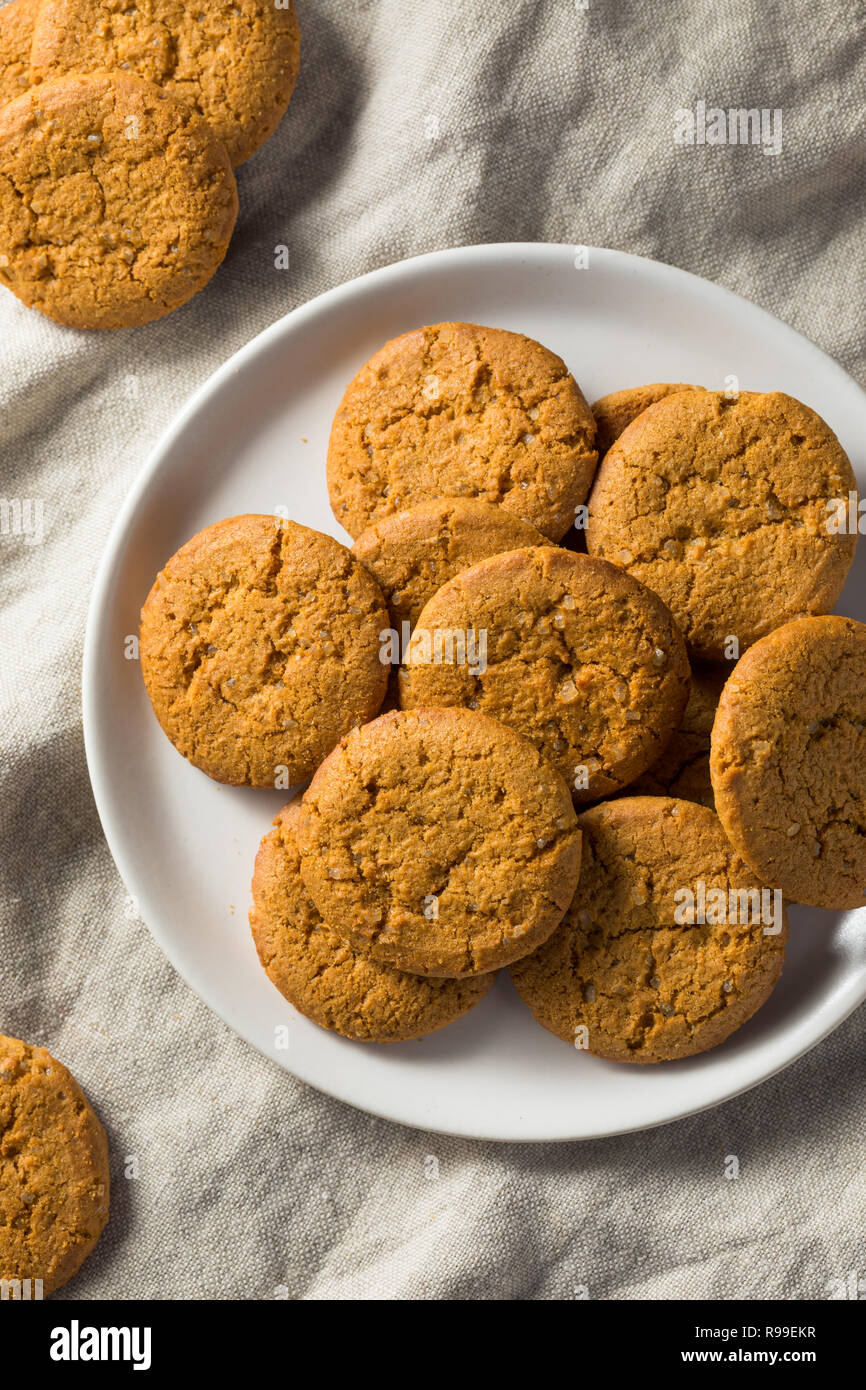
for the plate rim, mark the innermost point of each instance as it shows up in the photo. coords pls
(157, 460)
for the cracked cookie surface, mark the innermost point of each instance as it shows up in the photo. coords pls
(459, 410)
(54, 1178)
(260, 649)
(788, 760)
(683, 770)
(645, 988)
(616, 410)
(325, 978)
(439, 842)
(721, 507)
(16, 35)
(234, 62)
(580, 659)
(412, 553)
(116, 202)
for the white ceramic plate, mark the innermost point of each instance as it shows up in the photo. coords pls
(253, 439)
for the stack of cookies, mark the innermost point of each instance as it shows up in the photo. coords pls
(120, 126)
(576, 776)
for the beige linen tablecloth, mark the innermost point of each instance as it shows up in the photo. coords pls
(416, 125)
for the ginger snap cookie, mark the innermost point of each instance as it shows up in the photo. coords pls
(788, 760)
(670, 943)
(683, 770)
(324, 977)
(54, 1178)
(458, 410)
(16, 35)
(571, 652)
(439, 842)
(721, 507)
(116, 202)
(617, 409)
(412, 553)
(233, 62)
(260, 649)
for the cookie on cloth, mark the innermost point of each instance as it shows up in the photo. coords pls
(638, 971)
(54, 1178)
(412, 553)
(16, 35)
(459, 410)
(234, 62)
(260, 648)
(116, 202)
(571, 652)
(721, 507)
(324, 977)
(439, 842)
(788, 760)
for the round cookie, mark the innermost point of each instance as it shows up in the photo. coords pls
(570, 651)
(54, 1178)
(323, 976)
(459, 410)
(412, 553)
(683, 770)
(788, 760)
(720, 506)
(616, 410)
(16, 35)
(634, 974)
(233, 62)
(260, 649)
(116, 202)
(439, 842)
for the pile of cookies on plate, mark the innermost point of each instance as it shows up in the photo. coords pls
(121, 122)
(619, 727)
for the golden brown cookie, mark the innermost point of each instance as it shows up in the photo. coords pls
(788, 760)
(260, 649)
(323, 976)
(116, 202)
(16, 36)
(234, 62)
(412, 553)
(638, 971)
(572, 652)
(439, 842)
(616, 410)
(54, 1179)
(720, 506)
(683, 770)
(458, 410)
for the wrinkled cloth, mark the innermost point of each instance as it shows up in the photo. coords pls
(416, 126)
